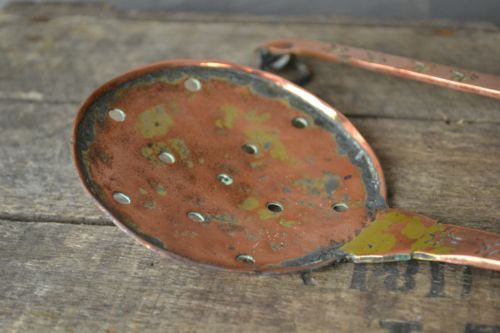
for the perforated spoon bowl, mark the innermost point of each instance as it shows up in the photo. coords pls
(236, 168)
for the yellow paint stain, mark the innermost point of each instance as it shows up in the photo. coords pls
(254, 116)
(151, 152)
(424, 236)
(154, 122)
(142, 190)
(266, 140)
(250, 203)
(181, 148)
(230, 114)
(377, 238)
(266, 214)
(415, 229)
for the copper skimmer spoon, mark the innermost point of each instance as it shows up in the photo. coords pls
(236, 168)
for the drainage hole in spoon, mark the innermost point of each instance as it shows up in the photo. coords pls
(275, 207)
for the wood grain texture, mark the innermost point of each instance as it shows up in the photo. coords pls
(60, 278)
(438, 148)
(90, 50)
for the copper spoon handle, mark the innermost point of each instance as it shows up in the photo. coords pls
(441, 75)
(396, 235)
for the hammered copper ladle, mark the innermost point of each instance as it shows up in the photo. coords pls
(236, 168)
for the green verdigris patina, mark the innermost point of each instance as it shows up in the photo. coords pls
(381, 237)
(153, 122)
(252, 204)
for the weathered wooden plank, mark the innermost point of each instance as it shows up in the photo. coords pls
(445, 171)
(65, 57)
(59, 278)
(48, 7)
(38, 180)
(64, 277)
(393, 11)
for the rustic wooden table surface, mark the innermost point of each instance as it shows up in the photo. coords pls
(65, 267)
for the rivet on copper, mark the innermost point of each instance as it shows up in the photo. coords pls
(117, 115)
(167, 157)
(122, 198)
(246, 258)
(196, 217)
(192, 84)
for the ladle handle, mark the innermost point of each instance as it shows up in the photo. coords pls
(441, 75)
(396, 235)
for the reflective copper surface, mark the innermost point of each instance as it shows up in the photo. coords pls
(236, 168)
(396, 235)
(203, 114)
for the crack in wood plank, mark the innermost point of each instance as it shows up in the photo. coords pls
(56, 219)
